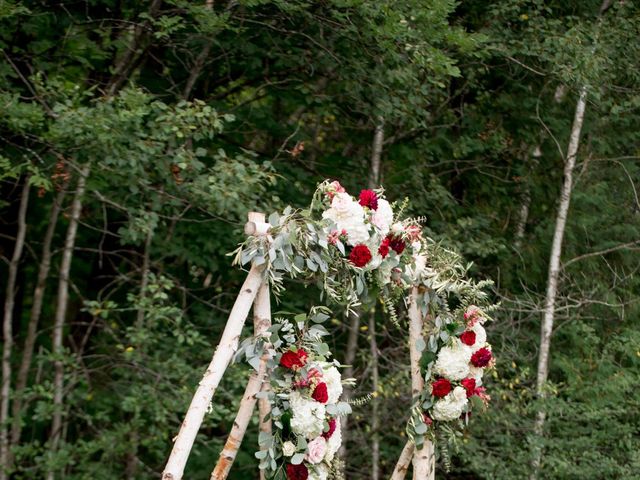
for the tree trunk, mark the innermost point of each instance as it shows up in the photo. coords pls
(209, 383)
(262, 323)
(61, 312)
(34, 320)
(402, 466)
(523, 215)
(554, 270)
(354, 326)
(424, 458)
(144, 282)
(7, 329)
(248, 403)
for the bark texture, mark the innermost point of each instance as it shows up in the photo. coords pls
(402, 466)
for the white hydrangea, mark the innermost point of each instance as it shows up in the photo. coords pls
(383, 216)
(331, 376)
(348, 215)
(450, 407)
(333, 444)
(453, 361)
(318, 472)
(481, 337)
(307, 415)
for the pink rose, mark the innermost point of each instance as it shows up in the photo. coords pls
(316, 449)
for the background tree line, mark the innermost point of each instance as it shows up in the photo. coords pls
(137, 135)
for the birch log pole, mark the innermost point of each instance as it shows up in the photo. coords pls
(7, 328)
(61, 312)
(261, 323)
(554, 270)
(402, 466)
(219, 363)
(424, 458)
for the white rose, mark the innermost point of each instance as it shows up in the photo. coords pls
(453, 362)
(331, 376)
(316, 450)
(397, 228)
(383, 216)
(481, 337)
(288, 449)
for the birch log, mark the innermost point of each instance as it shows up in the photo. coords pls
(261, 323)
(424, 458)
(209, 383)
(247, 405)
(219, 363)
(61, 312)
(554, 270)
(7, 328)
(402, 466)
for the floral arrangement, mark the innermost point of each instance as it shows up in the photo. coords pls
(360, 248)
(306, 386)
(453, 365)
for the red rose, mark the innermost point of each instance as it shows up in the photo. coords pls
(397, 244)
(320, 393)
(468, 338)
(469, 385)
(360, 255)
(481, 358)
(384, 248)
(293, 360)
(368, 198)
(297, 472)
(332, 428)
(441, 387)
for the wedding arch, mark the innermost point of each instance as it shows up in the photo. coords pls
(353, 249)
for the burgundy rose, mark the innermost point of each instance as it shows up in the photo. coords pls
(360, 255)
(332, 428)
(320, 393)
(397, 244)
(441, 388)
(368, 198)
(469, 385)
(293, 360)
(297, 472)
(481, 358)
(468, 338)
(383, 250)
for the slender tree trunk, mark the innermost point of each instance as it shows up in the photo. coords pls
(262, 323)
(554, 270)
(7, 329)
(424, 458)
(374, 179)
(61, 312)
(354, 326)
(34, 319)
(523, 215)
(402, 466)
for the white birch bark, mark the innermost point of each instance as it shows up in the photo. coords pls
(247, 405)
(424, 458)
(402, 466)
(34, 319)
(554, 269)
(61, 312)
(7, 329)
(209, 383)
(261, 323)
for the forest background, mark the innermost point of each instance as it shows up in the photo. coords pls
(136, 136)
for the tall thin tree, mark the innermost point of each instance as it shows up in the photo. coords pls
(7, 329)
